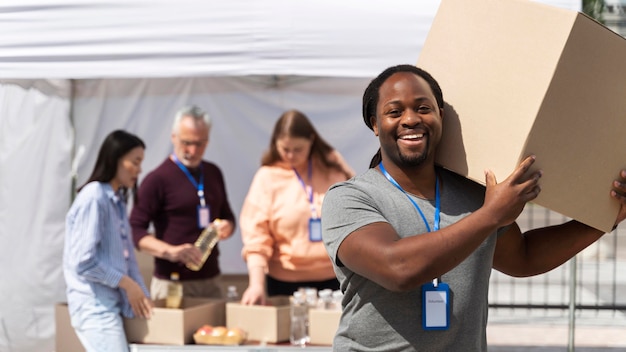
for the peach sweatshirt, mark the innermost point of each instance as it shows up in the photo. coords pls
(274, 223)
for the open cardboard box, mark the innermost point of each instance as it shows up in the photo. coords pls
(176, 326)
(520, 78)
(269, 323)
(167, 326)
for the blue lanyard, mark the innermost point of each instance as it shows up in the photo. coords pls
(306, 190)
(199, 186)
(437, 198)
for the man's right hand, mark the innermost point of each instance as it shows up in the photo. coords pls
(184, 253)
(506, 200)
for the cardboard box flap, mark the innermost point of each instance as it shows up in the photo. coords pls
(521, 78)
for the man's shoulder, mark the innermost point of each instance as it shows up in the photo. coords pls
(210, 165)
(161, 173)
(367, 182)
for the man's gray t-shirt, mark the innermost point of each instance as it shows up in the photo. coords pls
(376, 319)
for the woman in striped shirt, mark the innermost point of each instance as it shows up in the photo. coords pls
(101, 272)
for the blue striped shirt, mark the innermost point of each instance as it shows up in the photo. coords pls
(98, 251)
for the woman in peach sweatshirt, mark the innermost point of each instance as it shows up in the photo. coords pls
(280, 217)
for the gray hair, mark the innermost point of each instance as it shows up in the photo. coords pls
(194, 112)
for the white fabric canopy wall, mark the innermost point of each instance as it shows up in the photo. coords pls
(35, 145)
(244, 61)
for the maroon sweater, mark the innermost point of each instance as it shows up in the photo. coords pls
(169, 200)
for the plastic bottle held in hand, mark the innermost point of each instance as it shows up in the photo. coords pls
(299, 317)
(206, 241)
(174, 297)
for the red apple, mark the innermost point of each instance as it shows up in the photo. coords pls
(205, 330)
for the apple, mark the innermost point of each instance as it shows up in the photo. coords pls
(219, 331)
(235, 336)
(205, 330)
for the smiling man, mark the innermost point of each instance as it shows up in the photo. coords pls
(413, 244)
(179, 198)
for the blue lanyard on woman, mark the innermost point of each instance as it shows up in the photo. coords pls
(437, 198)
(306, 189)
(315, 223)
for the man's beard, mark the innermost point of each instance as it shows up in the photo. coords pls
(414, 160)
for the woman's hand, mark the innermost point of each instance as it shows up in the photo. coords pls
(141, 305)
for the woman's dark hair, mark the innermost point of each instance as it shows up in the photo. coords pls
(293, 123)
(371, 95)
(117, 144)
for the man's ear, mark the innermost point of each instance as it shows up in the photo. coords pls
(374, 125)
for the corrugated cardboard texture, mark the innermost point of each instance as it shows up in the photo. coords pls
(521, 78)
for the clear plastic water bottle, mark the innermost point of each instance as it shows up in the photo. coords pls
(325, 298)
(232, 295)
(299, 317)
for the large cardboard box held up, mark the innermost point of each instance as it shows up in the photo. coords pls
(176, 326)
(524, 78)
(269, 323)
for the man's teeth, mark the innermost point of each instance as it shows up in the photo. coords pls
(413, 136)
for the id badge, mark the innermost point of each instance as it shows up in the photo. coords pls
(204, 214)
(435, 306)
(315, 229)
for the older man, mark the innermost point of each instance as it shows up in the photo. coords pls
(180, 197)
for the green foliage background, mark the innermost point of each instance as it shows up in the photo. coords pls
(593, 9)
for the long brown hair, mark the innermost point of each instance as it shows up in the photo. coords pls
(293, 123)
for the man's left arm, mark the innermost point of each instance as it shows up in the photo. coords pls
(540, 250)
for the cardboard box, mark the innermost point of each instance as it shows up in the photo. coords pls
(323, 324)
(65, 339)
(524, 78)
(269, 323)
(176, 326)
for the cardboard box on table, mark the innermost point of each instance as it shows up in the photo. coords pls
(176, 326)
(167, 326)
(269, 323)
(522, 78)
(65, 339)
(323, 324)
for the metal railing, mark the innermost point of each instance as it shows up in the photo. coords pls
(591, 288)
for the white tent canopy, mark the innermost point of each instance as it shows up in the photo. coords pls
(72, 71)
(163, 38)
